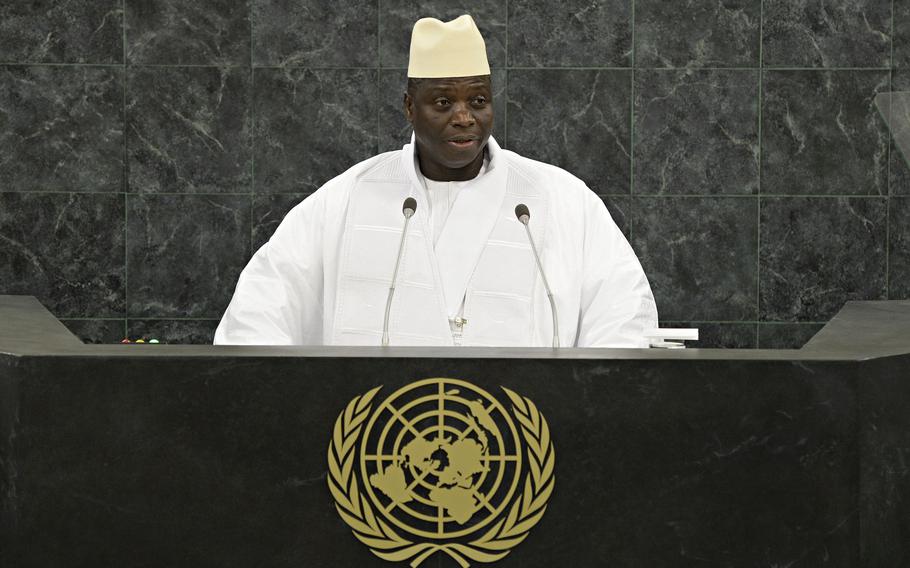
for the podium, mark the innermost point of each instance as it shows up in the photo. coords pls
(171, 455)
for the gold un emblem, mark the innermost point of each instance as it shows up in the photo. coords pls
(439, 466)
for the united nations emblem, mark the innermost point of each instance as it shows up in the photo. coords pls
(441, 466)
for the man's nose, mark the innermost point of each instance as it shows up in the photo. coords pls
(462, 116)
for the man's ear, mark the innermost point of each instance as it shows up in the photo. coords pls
(408, 107)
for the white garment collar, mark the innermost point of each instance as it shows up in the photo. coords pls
(492, 159)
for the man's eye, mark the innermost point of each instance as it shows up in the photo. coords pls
(480, 100)
(441, 102)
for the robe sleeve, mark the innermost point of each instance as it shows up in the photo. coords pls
(279, 296)
(617, 305)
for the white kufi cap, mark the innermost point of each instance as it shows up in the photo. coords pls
(447, 49)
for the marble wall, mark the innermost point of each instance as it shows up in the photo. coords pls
(147, 148)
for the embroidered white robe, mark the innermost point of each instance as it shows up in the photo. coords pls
(323, 277)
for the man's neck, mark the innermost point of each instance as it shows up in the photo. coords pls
(437, 172)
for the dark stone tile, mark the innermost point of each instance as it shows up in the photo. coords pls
(198, 332)
(395, 131)
(171, 32)
(268, 212)
(66, 250)
(786, 335)
(834, 33)
(188, 129)
(185, 253)
(98, 331)
(899, 171)
(900, 81)
(817, 253)
(398, 17)
(822, 135)
(899, 251)
(314, 33)
(620, 208)
(697, 33)
(574, 33)
(902, 37)
(311, 125)
(699, 254)
(61, 128)
(712, 335)
(899, 168)
(49, 31)
(696, 132)
(577, 120)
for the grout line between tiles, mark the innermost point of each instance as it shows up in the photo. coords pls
(100, 318)
(518, 67)
(632, 130)
(141, 194)
(742, 322)
(170, 319)
(505, 112)
(379, 93)
(307, 192)
(761, 88)
(378, 34)
(252, 139)
(125, 177)
(745, 196)
(888, 192)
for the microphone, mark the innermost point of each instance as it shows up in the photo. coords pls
(524, 217)
(408, 208)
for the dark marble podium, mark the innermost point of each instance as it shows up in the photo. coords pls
(160, 455)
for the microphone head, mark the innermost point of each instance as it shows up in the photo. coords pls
(409, 207)
(521, 211)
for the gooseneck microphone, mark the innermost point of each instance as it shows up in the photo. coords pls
(408, 208)
(524, 216)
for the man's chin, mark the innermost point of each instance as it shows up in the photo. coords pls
(464, 155)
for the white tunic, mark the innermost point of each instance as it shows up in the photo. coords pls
(323, 277)
(441, 196)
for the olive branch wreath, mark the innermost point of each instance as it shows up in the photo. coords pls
(494, 545)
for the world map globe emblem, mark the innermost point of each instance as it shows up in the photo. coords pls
(446, 460)
(441, 466)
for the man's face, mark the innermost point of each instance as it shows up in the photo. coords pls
(452, 120)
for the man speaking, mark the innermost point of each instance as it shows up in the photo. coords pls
(449, 241)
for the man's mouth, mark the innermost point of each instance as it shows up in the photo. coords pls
(463, 141)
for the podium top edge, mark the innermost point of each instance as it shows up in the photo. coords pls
(862, 330)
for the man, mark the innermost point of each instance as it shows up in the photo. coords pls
(468, 273)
